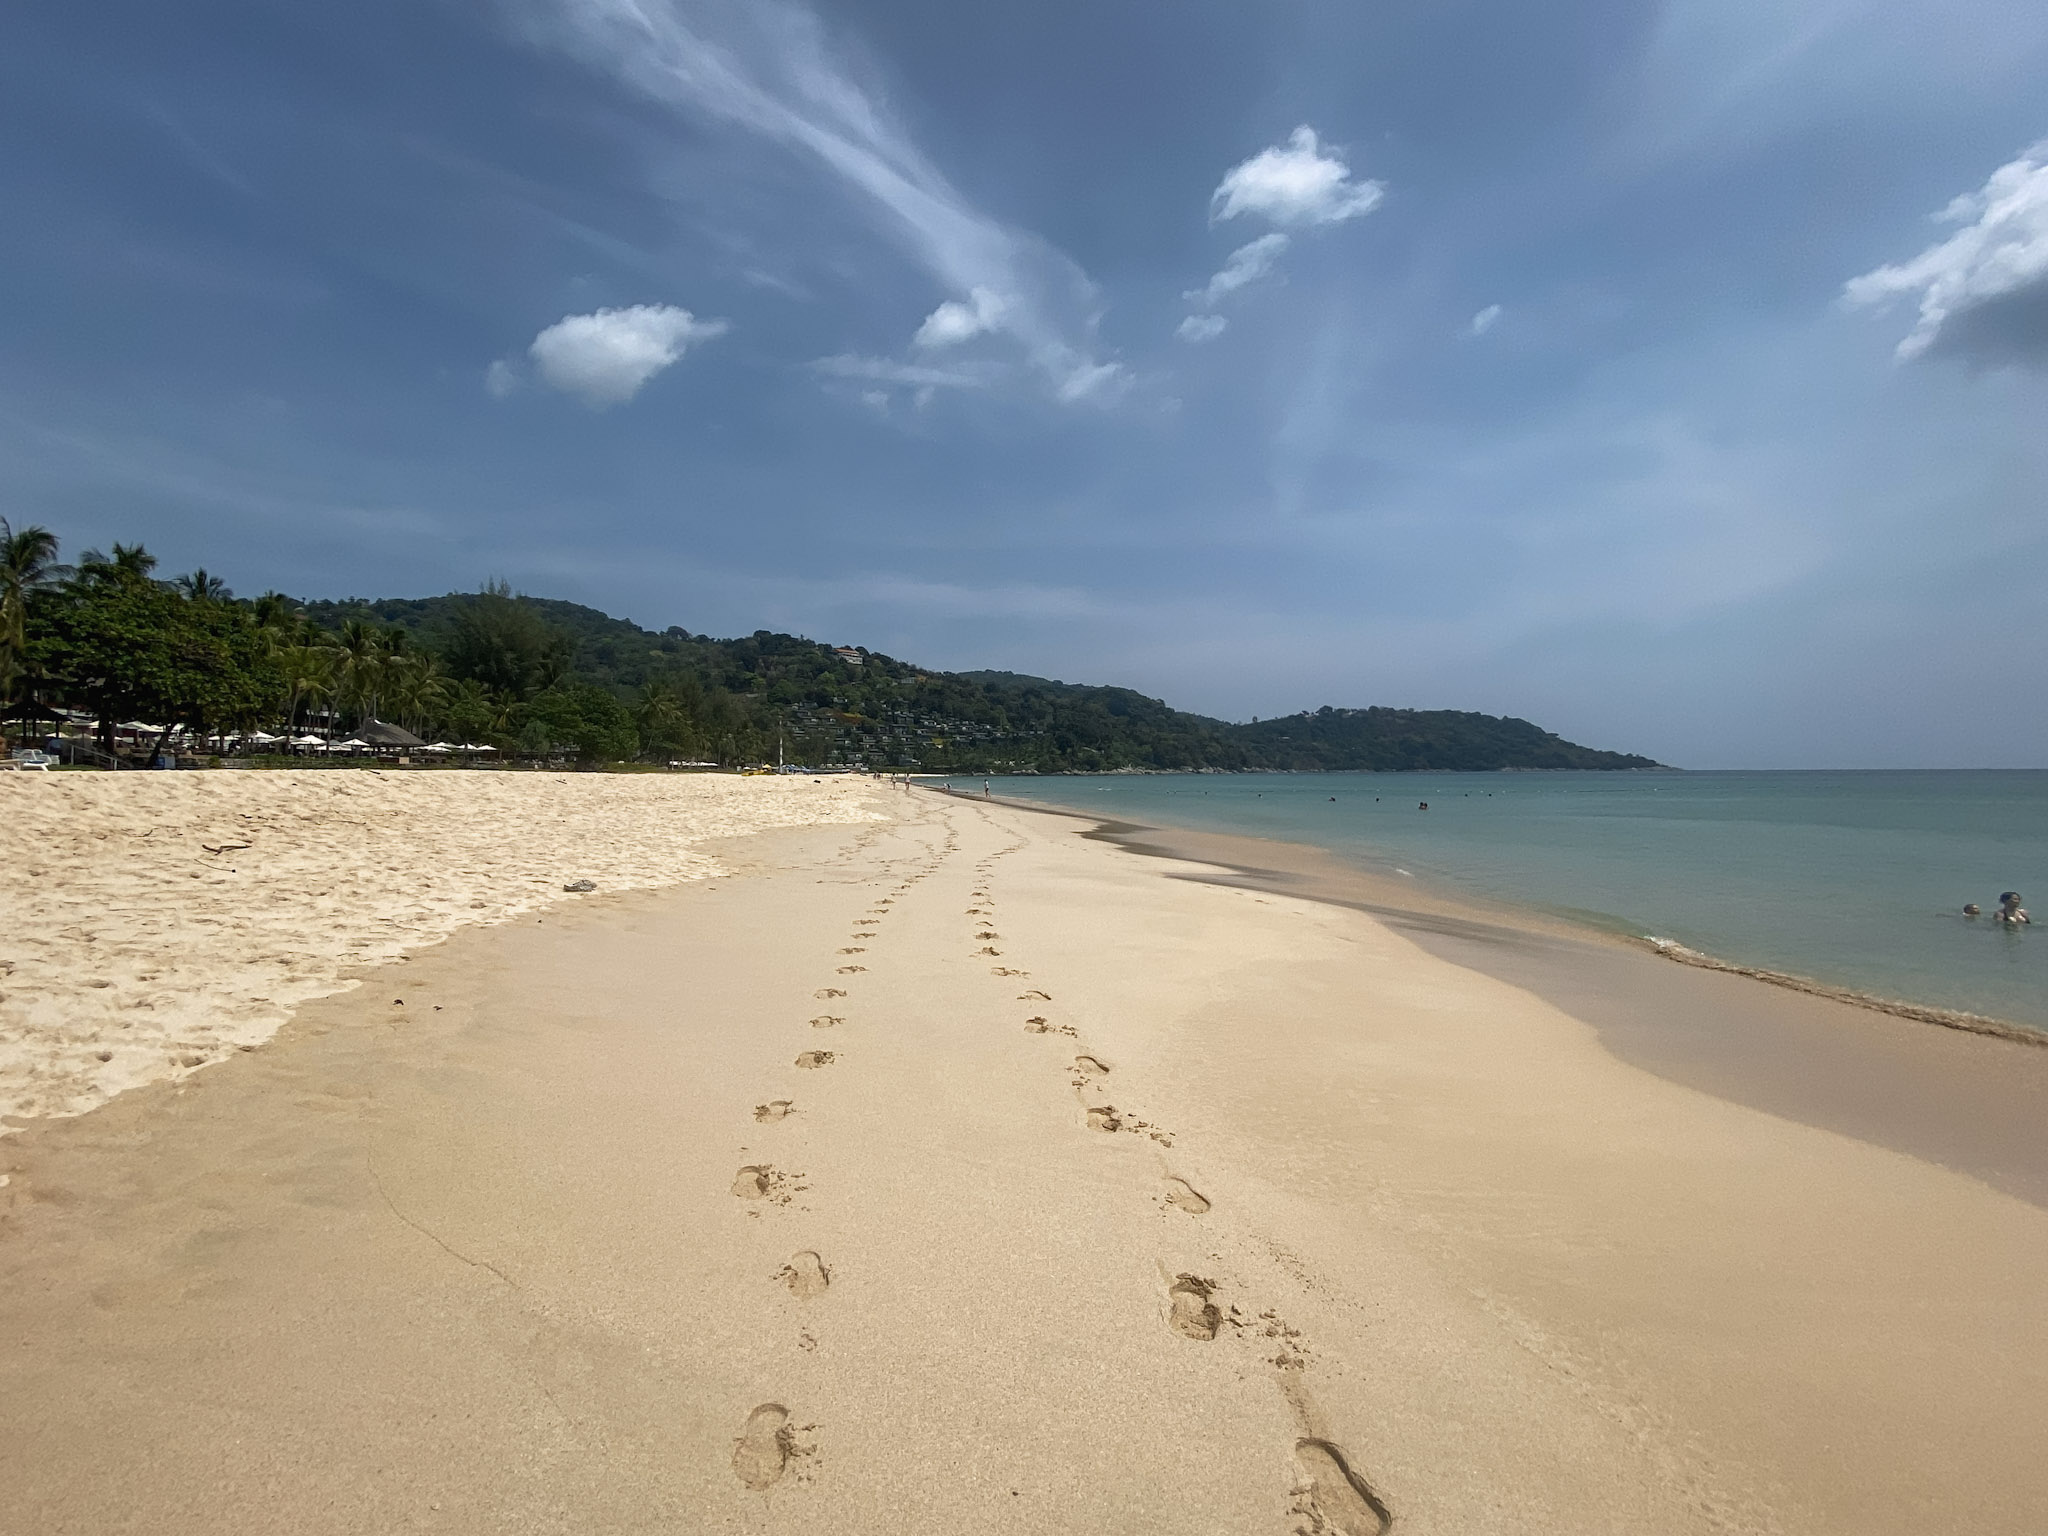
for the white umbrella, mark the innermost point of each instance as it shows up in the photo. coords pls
(259, 736)
(476, 747)
(308, 741)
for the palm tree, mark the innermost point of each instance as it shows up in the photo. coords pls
(660, 715)
(308, 677)
(360, 667)
(28, 564)
(199, 586)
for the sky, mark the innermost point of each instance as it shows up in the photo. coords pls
(1672, 374)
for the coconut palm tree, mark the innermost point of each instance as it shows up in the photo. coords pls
(201, 587)
(28, 564)
(308, 677)
(359, 667)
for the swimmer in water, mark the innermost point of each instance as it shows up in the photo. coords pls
(2010, 912)
(1971, 909)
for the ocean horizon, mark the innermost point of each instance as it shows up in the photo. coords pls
(1852, 878)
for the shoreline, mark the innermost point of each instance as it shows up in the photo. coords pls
(1542, 918)
(1966, 1099)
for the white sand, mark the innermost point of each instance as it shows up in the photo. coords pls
(152, 923)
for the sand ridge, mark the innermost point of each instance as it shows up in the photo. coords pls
(151, 923)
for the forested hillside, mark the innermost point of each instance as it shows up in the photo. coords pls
(839, 705)
(540, 678)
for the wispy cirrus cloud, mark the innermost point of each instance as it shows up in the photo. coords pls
(1241, 268)
(1984, 290)
(768, 67)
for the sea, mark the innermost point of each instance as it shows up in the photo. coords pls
(1854, 879)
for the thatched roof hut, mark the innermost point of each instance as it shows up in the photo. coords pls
(379, 734)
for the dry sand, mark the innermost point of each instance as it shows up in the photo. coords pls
(959, 1174)
(152, 923)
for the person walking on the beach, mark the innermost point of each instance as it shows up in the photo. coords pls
(2010, 912)
(985, 791)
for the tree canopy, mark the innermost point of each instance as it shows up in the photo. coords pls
(555, 679)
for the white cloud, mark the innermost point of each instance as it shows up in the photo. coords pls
(770, 71)
(1984, 290)
(1301, 184)
(1484, 321)
(500, 379)
(882, 370)
(605, 357)
(1201, 328)
(1242, 267)
(953, 322)
(1101, 382)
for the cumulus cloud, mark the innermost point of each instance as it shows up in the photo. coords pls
(1484, 321)
(1200, 328)
(605, 357)
(1300, 184)
(1243, 266)
(767, 68)
(1984, 290)
(954, 322)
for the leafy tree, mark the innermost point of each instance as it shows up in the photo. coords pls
(585, 718)
(502, 643)
(124, 645)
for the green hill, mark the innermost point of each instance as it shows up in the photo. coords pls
(734, 698)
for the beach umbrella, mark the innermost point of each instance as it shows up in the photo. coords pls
(478, 747)
(308, 741)
(258, 736)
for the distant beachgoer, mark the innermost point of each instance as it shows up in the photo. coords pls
(2009, 909)
(985, 794)
(1971, 909)
(1423, 806)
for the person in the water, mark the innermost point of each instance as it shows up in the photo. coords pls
(2010, 911)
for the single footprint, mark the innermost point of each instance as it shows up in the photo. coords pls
(815, 1059)
(856, 950)
(988, 949)
(1034, 995)
(851, 970)
(1036, 1024)
(774, 1109)
(1090, 1067)
(751, 1182)
(988, 933)
(829, 992)
(762, 1455)
(827, 1020)
(1105, 1118)
(1191, 1312)
(1183, 1195)
(1339, 1495)
(805, 1275)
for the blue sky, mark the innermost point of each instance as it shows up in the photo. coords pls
(1675, 375)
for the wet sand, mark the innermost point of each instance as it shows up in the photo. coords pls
(960, 1173)
(1974, 1103)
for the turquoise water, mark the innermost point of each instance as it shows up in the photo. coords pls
(1857, 879)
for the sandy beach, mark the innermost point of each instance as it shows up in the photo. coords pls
(155, 923)
(939, 1167)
